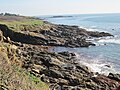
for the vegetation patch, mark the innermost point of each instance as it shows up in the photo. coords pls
(13, 77)
(17, 23)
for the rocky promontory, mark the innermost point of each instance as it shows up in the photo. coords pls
(29, 49)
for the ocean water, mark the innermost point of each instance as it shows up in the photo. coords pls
(105, 56)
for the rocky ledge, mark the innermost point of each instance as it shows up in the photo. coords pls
(53, 35)
(61, 70)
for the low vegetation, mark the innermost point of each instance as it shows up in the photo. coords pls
(12, 76)
(18, 23)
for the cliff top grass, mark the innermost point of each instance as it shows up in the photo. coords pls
(18, 23)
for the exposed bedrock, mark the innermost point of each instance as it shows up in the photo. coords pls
(55, 35)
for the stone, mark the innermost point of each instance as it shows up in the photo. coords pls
(65, 87)
(45, 78)
(83, 68)
(53, 80)
(114, 76)
(52, 73)
(63, 81)
(74, 81)
(56, 74)
(36, 70)
(68, 54)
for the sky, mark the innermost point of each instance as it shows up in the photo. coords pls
(59, 7)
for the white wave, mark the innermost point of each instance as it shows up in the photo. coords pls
(99, 67)
(93, 26)
(89, 29)
(114, 41)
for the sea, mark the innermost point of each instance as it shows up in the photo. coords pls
(103, 58)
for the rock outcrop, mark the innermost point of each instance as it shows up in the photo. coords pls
(53, 35)
(61, 70)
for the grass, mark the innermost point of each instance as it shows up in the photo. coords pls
(17, 23)
(13, 77)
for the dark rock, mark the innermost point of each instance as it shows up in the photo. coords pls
(99, 34)
(63, 81)
(53, 80)
(65, 87)
(83, 68)
(52, 73)
(45, 78)
(56, 74)
(74, 81)
(114, 76)
(108, 66)
(68, 54)
(68, 66)
(55, 87)
(2, 87)
(20, 37)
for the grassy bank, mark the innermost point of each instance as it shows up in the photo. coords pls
(17, 23)
(12, 75)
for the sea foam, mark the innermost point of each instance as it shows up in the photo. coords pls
(113, 41)
(97, 65)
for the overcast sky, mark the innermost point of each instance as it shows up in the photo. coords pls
(55, 7)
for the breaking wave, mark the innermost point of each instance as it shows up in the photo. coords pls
(113, 41)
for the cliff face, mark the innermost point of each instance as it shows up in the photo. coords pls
(20, 37)
(28, 49)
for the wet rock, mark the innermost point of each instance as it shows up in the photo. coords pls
(83, 68)
(114, 76)
(67, 54)
(108, 66)
(99, 34)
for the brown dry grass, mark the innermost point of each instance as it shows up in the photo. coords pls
(13, 77)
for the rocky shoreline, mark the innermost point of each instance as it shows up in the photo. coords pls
(53, 35)
(61, 70)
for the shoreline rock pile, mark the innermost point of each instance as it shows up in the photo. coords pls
(61, 70)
